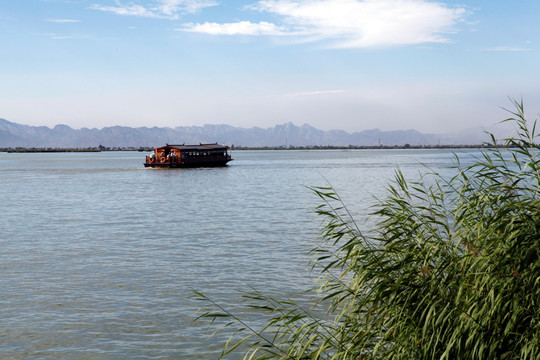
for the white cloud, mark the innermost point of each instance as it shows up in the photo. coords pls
(159, 9)
(172, 7)
(358, 23)
(508, 48)
(238, 28)
(132, 10)
(62, 21)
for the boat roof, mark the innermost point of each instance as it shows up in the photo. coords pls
(199, 147)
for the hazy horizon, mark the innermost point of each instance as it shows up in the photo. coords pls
(432, 66)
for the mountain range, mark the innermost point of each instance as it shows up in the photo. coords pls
(17, 135)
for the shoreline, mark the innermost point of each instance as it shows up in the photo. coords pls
(315, 147)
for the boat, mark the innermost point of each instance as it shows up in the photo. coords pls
(184, 156)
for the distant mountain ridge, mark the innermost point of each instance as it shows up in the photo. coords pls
(17, 135)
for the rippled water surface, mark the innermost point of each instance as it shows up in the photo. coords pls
(98, 255)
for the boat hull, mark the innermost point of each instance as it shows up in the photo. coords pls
(188, 164)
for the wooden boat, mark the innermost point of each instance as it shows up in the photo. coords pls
(180, 156)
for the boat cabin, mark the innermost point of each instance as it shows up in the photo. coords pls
(177, 156)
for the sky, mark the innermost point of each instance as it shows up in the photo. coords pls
(353, 65)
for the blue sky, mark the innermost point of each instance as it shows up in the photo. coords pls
(434, 66)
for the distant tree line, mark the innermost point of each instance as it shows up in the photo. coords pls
(358, 147)
(100, 148)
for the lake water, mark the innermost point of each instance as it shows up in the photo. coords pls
(99, 256)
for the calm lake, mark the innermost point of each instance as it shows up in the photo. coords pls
(99, 256)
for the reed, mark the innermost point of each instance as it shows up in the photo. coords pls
(451, 271)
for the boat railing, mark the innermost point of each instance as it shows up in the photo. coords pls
(162, 159)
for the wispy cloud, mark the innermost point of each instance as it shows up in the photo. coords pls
(237, 28)
(508, 48)
(314, 93)
(159, 9)
(68, 37)
(355, 23)
(62, 21)
(132, 10)
(185, 6)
